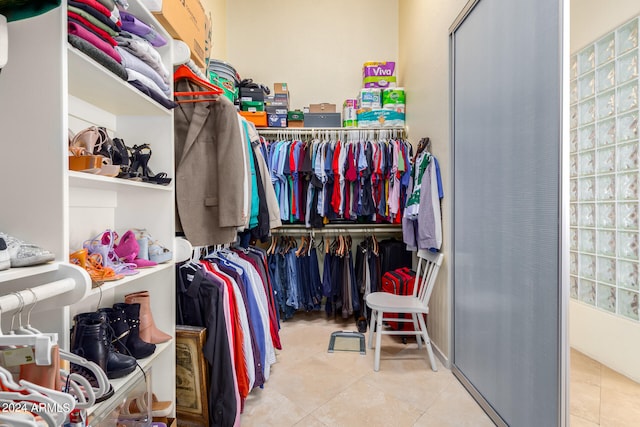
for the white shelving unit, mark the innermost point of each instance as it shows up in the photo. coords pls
(46, 88)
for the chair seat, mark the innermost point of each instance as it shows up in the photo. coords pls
(390, 303)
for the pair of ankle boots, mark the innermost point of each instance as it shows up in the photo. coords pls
(114, 338)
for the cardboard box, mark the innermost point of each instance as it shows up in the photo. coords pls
(322, 108)
(280, 88)
(322, 120)
(296, 124)
(277, 120)
(185, 20)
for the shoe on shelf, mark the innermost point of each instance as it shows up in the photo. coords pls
(140, 163)
(93, 264)
(104, 244)
(5, 258)
(23, 254)
(159, 409)
(148, 330)
(92, 338)
(125, 321)
(151, 249)
(128, 250)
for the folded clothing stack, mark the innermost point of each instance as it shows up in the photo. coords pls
(122, 43)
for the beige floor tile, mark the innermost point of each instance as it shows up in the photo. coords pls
(310, 383)
(585, 401)
(454, 408)
(584, 369)
(619, 409)
(411, 380)
(362, 404)
(311, 421)
(267, 407)
(613, 380)
(575, 421)
(353, 364)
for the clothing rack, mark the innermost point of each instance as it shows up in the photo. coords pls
(364, 133)
(300, 230)
(68, 284)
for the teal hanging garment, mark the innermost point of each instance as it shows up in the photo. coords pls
(15, 10)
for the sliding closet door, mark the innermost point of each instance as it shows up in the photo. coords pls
(507, 151)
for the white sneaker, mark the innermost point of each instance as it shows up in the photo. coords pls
(5, 259)
(24, 254)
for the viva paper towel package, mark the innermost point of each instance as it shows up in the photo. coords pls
(379, 74)
(350, 113)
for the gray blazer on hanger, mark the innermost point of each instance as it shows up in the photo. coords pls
(209, 170)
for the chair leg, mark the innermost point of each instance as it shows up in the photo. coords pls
(416, 328)
(372, 324)
(427, 341)
(376, 364)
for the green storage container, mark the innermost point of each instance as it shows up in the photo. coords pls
(295, 116)
(252, 106)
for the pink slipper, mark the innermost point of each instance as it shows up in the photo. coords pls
(127, 249)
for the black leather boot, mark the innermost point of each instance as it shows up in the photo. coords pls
(134, 344)
(97, 343)
(117, 320)
(87, 341)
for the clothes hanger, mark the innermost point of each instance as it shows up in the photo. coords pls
(22, 330)
(424, 144)
(41, 343)
(80, 388)
(6, 380)
(302, 247)
(35, 301)
(185, 73)
(16, 419)
(64, 402)
(100, 376)
(33, 401)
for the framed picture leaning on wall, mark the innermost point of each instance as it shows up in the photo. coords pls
(192, 407)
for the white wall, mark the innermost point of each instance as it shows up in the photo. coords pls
(317, 47)
(612, 340)
(217, 11)
(591, 19)
(424, 71)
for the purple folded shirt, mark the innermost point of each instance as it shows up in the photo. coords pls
(83, 33)
(135, 26)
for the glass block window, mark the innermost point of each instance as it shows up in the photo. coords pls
(605, 179)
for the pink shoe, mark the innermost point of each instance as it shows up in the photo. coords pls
(110, 259)
(127, 249)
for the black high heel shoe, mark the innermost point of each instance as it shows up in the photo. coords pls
(140, 163)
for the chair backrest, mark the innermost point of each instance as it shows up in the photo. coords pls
(428, 266)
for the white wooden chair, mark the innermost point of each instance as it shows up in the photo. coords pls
(416, 304)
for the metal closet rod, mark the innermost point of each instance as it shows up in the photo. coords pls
(313, 131)
(329, 229)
